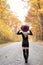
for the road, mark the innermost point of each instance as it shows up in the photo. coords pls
(12, 54)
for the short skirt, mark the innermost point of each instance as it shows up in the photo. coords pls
(25, 44)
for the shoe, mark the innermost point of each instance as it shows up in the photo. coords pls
(26, 61)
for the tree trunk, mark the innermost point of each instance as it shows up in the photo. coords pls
(41, 17)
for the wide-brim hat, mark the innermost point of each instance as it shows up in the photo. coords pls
(24, 28)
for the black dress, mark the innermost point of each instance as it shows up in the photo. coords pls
(25, 42)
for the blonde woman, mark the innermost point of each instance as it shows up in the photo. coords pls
(24, 31)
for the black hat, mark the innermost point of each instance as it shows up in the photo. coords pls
(24, 28)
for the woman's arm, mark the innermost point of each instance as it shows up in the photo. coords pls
(19, 32)
(30, 33)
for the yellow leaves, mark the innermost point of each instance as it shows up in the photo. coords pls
(34, 17)
(40, 10)
(0, 10)
(5, 30)
(33, 9)
(3, 0)
(1, 7)
(35, 1)
(7, 21)
(32, 2)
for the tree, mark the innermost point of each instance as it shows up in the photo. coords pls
(8, 23)
(35, 16)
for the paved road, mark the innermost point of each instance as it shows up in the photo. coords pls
(12, 54)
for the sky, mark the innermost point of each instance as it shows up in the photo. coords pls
(19, 8)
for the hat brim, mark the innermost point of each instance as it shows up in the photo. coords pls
(24, 28)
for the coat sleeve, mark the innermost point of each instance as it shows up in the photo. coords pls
(30, 33)
(19, 33)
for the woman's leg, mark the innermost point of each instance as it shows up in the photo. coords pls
(25, 54)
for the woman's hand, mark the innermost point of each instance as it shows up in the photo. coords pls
(30, 27)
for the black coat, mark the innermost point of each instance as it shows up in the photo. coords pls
(25, 42)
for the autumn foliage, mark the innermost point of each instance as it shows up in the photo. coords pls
(35, 16)
(8, 23)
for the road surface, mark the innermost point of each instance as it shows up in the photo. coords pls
(12, 54)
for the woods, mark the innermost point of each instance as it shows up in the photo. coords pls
(9, 22)
(35, 16)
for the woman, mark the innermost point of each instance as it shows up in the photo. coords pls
(24, 31)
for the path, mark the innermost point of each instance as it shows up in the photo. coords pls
(12, 54)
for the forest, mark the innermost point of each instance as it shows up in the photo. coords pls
(9, 22)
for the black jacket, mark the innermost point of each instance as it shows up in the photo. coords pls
(25, 42)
